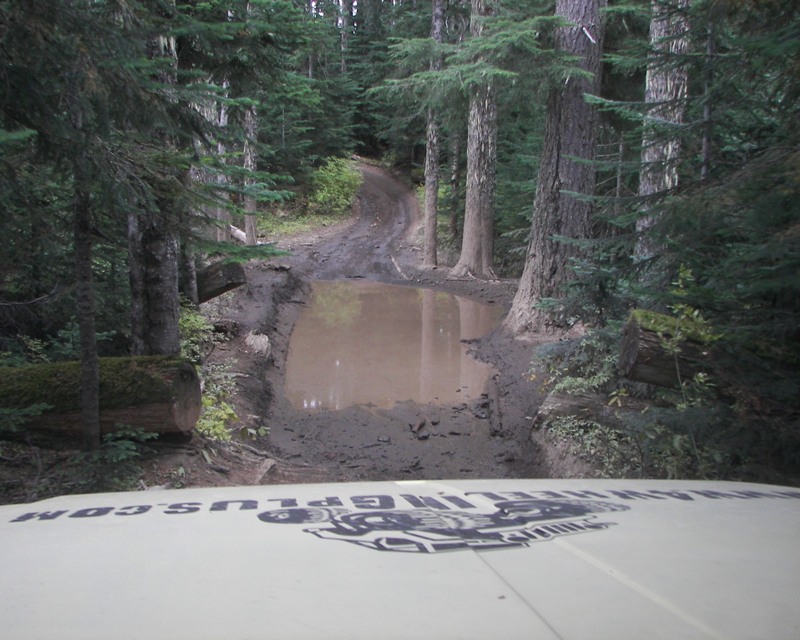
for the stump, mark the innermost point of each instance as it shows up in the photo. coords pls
(158, 394)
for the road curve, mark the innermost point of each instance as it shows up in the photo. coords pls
(386, 215)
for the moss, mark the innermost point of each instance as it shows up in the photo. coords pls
(687, 328)
(149, 378)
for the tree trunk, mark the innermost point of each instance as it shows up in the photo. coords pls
(708, 120)
(85, 311)
(570, 139)
(455, 184)
(250, 165)
(154, 268)
(89, 420)
(665, 100)
(154, 257)
(188, 272)
(221, 213)
(430, 259)
(136, 280)
(346, 32)
(156, 394)
(477, 243)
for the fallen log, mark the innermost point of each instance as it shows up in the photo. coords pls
(581, 406)
(157, 394)
(589, 407)
(650, 353)
(216, 279)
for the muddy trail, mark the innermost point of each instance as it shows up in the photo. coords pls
(486, 435)
(445, 434)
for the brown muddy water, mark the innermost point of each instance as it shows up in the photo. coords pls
(366, 343)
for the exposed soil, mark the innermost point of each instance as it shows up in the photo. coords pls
(487, 437)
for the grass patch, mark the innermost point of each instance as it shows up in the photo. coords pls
(293, 223)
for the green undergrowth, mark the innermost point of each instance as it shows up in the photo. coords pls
(198, 340)
(294, 221)
(115, 465)
(637, 430)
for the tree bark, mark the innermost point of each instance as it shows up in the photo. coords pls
(223, 216)
(250, 162)
(455, 184)
(432, 150)
(430, 259)
(346, 31)
(708, 120)
(570, 139)
(188, 272)
(665, 100)
(477, 244)
(153, 264)
(154, 257)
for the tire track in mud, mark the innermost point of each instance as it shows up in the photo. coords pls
(386, 215)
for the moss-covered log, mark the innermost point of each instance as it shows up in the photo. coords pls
(661, 350)
(219, 278)
(154, 393)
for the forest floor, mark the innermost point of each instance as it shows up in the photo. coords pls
(489, 437)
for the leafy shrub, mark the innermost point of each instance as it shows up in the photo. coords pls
(335, 186)
(648, 449)
(113, 466)
(586, 364)
(217, 413)
(197, 340)
(12, 418)
(197, 334)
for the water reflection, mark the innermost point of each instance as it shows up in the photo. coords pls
(362, 342)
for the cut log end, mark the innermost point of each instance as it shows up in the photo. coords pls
(219, 278)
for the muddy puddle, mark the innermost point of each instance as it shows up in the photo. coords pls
(366, 343)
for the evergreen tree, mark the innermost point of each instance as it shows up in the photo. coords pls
(567, 176)
(477, 243)
(666, 86)
(432, 148)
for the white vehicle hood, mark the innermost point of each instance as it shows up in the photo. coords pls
(481, 559)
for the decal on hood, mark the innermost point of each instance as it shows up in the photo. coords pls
(513, 523)
(404, 522)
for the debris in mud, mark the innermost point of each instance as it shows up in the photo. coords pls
(259, 343)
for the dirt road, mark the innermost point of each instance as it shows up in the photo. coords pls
(485, 437)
